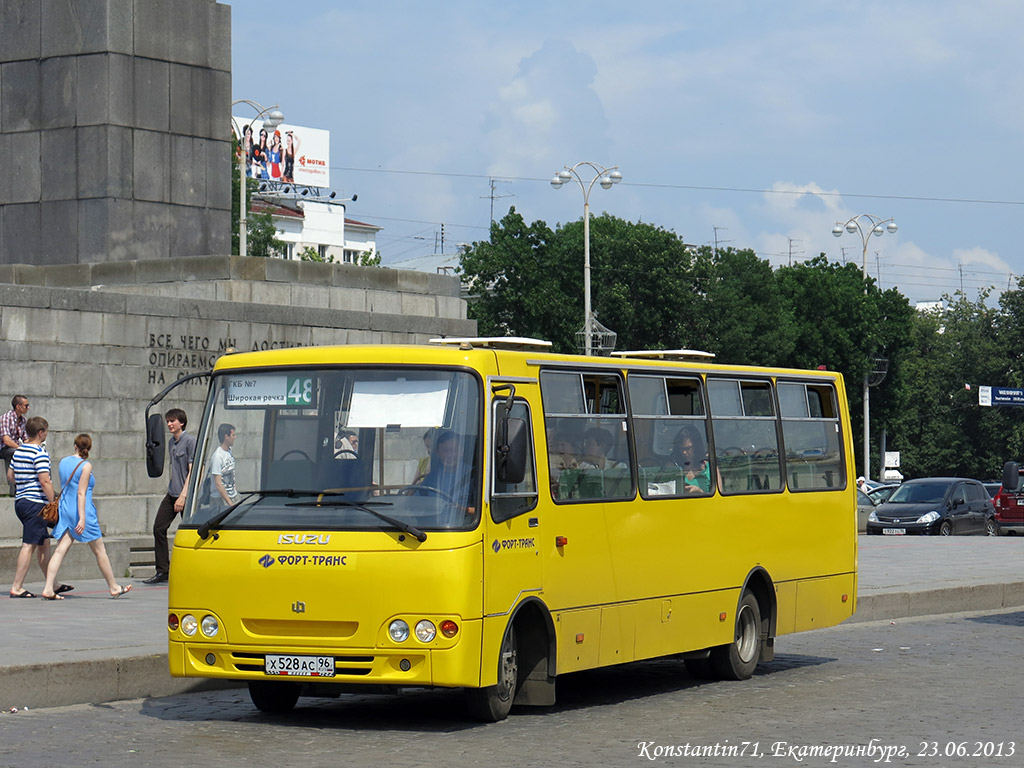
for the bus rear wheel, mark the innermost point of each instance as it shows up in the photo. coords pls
(738, 659)
(272, 696)
(494, 702)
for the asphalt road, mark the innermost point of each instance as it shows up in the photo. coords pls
(937, 691)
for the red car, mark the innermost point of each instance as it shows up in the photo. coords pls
(1010, 510)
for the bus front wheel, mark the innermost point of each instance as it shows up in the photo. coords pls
(494, 702)
(738, 659)
(273, 696)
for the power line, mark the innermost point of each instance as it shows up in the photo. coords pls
(701, 188)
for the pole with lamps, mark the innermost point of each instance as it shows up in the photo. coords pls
(866, 225)
(606, 177)
(273, 118)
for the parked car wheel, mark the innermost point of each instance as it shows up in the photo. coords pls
(946, 529)
(991, 527)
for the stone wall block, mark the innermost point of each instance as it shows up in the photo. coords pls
(21, 236)
(153, 222)
(310, 296)
(104, 226)
(20, 105)
(413, 304)
(151, 162)
(383, 302)
(21, 22)
(216, 158)
(152, 90)
(58, 166)
(58, 236)
(114, 274)
(351, 299)
(70, 275)
(32, 379)
(59, 85)
(71, 27)
(188, 179)
(21, 161)
(219, 37)
(79, 327)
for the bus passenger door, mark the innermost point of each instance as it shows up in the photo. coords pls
(512, 543)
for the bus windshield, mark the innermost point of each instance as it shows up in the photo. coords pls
(339, 449)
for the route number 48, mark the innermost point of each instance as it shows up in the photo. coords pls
(300, 390)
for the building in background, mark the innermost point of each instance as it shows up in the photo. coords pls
(320, 225)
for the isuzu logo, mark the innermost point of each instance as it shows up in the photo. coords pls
(304, 538)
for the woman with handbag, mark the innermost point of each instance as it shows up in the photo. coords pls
(78, 520)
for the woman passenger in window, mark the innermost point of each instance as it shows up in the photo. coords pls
(597, 443)
(689, 455)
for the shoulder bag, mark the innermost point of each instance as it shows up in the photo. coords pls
(51, 510)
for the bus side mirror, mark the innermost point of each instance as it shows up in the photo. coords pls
(1011, 476)
(155, 445)
(510, 444)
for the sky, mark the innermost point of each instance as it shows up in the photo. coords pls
(756, 124)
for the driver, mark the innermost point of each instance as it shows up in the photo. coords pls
(448, 473)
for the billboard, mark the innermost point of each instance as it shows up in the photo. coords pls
(290, 154)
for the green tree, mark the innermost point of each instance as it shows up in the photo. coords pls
(261, 234)
(741, 315)
(528, 281)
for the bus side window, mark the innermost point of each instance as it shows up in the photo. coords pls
(746, 435)
(670, 430)
(810, 432)
(586, 435)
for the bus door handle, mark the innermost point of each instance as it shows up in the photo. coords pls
(533, 522)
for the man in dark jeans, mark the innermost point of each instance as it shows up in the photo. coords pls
(183, 453)
(12, 431)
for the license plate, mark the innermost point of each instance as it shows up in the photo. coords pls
(894, 531)
(281, 665)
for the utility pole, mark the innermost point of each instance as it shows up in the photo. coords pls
(494, 195)
(717, 241)
(791, 241)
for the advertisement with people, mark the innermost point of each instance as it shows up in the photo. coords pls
(289, 154)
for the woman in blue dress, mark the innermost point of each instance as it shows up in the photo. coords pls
(78, 521)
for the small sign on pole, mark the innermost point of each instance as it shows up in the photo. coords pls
(1005, 396)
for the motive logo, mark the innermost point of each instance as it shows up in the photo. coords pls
(266, 561)
(496, 546)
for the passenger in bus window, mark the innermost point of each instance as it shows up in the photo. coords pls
(562, 456)
(688, 454)
(597, 443)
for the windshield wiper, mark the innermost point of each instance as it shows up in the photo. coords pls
(216, 520)
(367, 506)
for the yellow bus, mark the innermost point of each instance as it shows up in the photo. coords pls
(487, 515)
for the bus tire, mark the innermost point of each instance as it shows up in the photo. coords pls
(272, 696)
(494, 702)
(738, 659)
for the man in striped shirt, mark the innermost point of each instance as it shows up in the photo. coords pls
(30, 471)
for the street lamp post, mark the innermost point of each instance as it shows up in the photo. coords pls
(875, 226)
(606, 177)
(274, 118)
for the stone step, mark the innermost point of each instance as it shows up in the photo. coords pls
(80, 562)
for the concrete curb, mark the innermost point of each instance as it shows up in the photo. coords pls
(40, 686)
(975, 597)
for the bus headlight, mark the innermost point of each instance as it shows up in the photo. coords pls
(189, 625)
(210, 626)
(399, 631)
(425, 631)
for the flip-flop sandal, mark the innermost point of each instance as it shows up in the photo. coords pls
(55, 597)
(63, 588)
(26, 593)
(124, 591)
